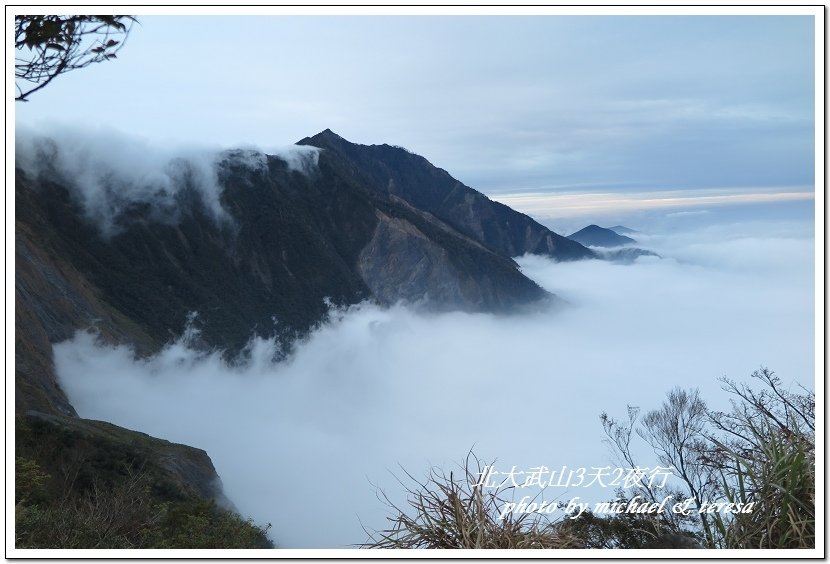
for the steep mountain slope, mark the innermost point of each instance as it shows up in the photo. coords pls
(293, 240)
(597, 236)
(409, 177)
(53, 299)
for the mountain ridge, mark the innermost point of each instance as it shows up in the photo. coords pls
(596, 236)
(368, 222)
(429, 188)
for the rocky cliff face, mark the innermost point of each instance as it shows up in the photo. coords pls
(342, 225)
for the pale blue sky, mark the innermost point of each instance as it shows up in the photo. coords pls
(506, 103)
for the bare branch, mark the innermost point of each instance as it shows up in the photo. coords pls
(49, 45)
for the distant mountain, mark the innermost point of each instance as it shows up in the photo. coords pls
(596, 236)
(622, 230)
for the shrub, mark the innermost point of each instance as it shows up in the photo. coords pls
(200, 524)
(767, 458)
(29, 481)
(761, 452)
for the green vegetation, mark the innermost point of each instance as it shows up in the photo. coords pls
(759, 456)
(126, 516)
(85, 484)
(767, 457)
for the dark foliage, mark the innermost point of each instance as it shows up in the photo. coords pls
(77, 489)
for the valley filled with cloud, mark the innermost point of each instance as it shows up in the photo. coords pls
(304, 443)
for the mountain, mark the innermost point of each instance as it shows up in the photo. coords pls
(365, 223)
(597, 236)
(622, 230)
(279, 240)
(401, 175)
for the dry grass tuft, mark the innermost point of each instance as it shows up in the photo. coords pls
(446, 511)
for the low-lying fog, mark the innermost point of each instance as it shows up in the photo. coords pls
(300, 444)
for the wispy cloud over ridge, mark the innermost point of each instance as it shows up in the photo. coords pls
(109, 171)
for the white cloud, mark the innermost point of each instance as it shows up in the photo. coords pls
(298, 444)
(687, 213)
(109, 172)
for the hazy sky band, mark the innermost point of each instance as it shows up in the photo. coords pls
(564, 205)
(504, 103)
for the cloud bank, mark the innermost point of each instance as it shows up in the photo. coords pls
(300, 443)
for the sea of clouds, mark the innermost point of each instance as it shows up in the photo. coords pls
(304, 443)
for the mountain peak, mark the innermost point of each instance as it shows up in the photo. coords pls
(325, 138)
(596, 236)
